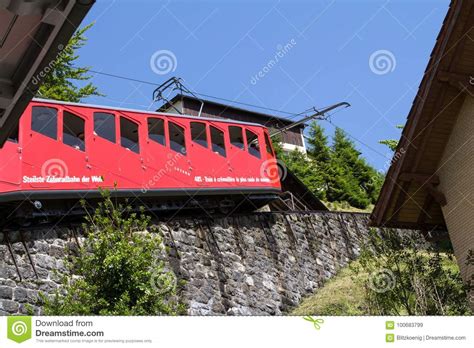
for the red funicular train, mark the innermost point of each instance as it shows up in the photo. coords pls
(65, 151)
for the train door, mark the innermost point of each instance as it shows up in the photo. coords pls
(237, 153)
(156, 153)
(221, 165)
(130, 162)
(73, 150)
(199, 151)
(179, 166)
(254, 158)
(41, 155)
(103, 147)
(271, 169)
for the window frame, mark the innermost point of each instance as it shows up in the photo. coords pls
(165, 142)
(84, 130)
(179, 126)
(243, 148)
(114, 117)
(205, 133)
(268, 144)
(223, 141)
(136, 149)
(248, 143)
(56, 137)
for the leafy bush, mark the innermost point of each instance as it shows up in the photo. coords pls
(118, 270)
(405, 275)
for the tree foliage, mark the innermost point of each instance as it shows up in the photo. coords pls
(59, 83)
(118, 270)
(391, 143)
(336, 172)
(405, 275)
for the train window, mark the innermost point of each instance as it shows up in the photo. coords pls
(236, 136)
(198, 133)
(268, 145)
(253, 146)
(176, 134)
(73, 131)
(156, 130)
(129, 135)
(217, 140)
(45, 121)
(13, 137)
(104, 125)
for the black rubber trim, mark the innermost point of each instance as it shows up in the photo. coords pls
(75, 194)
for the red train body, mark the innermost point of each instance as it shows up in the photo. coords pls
(68, 151)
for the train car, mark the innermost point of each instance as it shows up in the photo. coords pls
(62, 152)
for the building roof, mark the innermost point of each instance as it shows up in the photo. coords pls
(409, 197)
(32, 33)
(264, 116)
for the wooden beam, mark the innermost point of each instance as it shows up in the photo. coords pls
(420, 178)
(438, 196)
(462, 82)
(426, 208)
(400, 200)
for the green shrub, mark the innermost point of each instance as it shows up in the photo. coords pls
(405, 275)
(118, 270)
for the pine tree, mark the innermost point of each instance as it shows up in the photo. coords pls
(349, 174)
(308, 171)
(318, 148)
(336, 173)
(58, 83)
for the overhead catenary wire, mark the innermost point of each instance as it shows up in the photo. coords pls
(292, 114)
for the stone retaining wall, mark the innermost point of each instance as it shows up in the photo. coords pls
(255, 264)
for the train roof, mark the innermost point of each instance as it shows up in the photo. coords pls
(95, 106)
(265, 116)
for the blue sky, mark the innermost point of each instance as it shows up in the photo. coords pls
(369, 53)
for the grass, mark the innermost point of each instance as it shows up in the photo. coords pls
(344, 294)
(341, 295)
(344, 206)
